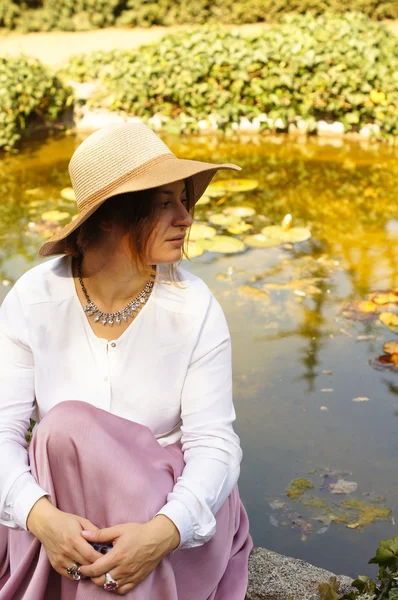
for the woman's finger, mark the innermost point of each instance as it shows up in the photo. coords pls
(103, 535)
(103, 565)
(86, 552)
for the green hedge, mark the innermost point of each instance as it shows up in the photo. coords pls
(70, 15)
(31, 95)
(305, 69)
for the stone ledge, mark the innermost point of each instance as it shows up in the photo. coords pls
(273, 576)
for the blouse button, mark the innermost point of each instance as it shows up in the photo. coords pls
(113, 345)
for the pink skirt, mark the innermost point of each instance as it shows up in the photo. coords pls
(112, 470)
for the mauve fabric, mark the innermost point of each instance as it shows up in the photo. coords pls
(112, 470)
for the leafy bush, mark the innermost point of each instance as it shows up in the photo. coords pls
(70, 15)
(30, 95)
(306, 69)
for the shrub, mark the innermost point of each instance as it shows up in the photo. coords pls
(30, 95)
(309, 69)
(87, 14)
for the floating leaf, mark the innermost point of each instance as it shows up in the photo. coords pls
(343, 487)
(203, 201)
(226, 244)
(384, 297)
(194, 249)
(259, 241)
(293, 235)
(361, 399)
(222, 220)
(367, 513)
(242, 212)
(199, 231)
(68, 194)
(391, 347)
(232, 186)
(277, 504)
(298, 487)
(364, 310)
(274, 522)
(55, 215)
(253, 292)
(386, 361)
(390, 319)
(239, 228)
(215, 191)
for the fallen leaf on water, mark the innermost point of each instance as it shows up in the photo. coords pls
(274, 522)
(240, 212)
(343, 487)
(277, 504)
(360, 311)
(252, 292)
(385, 297)
(390, 319)
(327, 390)
(352, 525)
(322, 530)
(298, 487)
(361, 399)
(391, 347)
(327, 372)
(323, 408)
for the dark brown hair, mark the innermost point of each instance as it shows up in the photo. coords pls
(136, 212)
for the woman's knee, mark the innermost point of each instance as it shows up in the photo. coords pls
(62, 422)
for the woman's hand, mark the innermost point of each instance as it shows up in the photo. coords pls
(60, 534)
(137, 551)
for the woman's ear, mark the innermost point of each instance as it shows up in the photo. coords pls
(105, 225)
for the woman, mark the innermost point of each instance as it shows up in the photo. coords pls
(124, 359)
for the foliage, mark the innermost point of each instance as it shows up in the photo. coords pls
(71, 15)
(291, 73)
(31, 95)
(384, 588)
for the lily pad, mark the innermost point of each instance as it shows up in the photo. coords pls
(222, 220)
(194, 249)
(68, 194)
(391, 347)
(259, 241)
(253, 292)
(225, 244)
(384, 297)
(364, 310)
(199, 231)
(293, 235)
(55, 215)
(232, 186)
(390, 319)
(239, 228)
(203, 201)
(242, 212)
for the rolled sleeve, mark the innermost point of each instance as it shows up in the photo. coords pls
(16, 405)
(211, 448)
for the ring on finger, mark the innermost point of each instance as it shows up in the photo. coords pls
(74, 571)
(110, 584)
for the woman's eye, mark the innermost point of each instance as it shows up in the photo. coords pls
(165, 204)
(185, 202)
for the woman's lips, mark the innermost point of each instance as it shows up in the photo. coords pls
(177, 241)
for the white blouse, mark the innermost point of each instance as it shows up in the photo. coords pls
(170, 370)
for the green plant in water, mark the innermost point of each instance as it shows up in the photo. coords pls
(298, 487)
(364, 588)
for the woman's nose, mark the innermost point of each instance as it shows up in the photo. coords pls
(184, 218)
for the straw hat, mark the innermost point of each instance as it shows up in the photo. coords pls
(126, 157)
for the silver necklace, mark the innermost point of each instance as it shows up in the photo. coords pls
(130, 310)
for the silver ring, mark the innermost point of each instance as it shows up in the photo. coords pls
(110, 584)
(74, 571)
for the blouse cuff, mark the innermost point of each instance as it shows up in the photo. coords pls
(24, 503)
(177, 512)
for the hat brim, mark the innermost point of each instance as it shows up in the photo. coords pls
(171, 170)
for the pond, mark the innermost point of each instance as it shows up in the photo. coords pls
(308, 402)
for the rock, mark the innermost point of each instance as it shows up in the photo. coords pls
(370, 129)
(273, 576)
(93, 120)
(324, 128)
(82, 91)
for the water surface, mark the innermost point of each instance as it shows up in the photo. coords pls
(293, 352)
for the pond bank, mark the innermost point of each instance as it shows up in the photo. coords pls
(273, 576)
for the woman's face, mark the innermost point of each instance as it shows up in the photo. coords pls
(172, 222)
